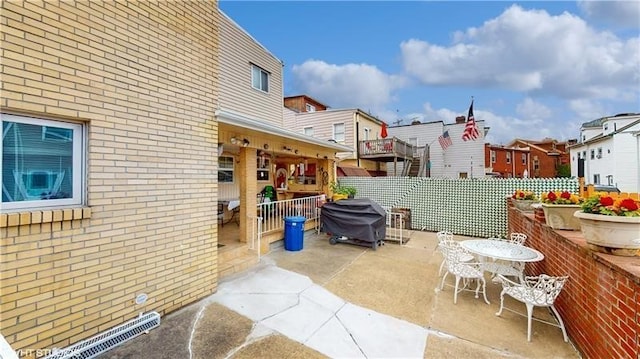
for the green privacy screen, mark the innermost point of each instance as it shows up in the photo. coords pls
(471, 207)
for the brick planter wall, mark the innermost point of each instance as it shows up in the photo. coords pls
(600, 303)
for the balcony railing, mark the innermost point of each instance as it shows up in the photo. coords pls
(386, 148)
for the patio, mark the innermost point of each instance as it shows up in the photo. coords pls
(396, 284)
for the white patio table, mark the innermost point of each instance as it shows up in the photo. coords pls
(502, 250)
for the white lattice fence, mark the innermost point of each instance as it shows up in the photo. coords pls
(472, 207)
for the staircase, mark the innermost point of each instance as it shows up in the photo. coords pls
(414, 169)
(234, 258)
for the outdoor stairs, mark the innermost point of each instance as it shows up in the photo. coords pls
(234, 258)
(414, 169)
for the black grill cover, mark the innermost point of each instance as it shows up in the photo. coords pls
(360, 218)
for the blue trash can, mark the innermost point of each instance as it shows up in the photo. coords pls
(294, 233)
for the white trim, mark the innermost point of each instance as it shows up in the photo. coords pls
(240, 120)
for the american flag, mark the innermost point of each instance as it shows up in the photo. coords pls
(470, 129)
(445, 140)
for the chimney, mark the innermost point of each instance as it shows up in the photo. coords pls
(461, 119)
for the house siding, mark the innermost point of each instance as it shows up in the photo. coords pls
(238, 50)
(143, 78)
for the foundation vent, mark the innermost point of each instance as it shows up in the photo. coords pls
(92, 347)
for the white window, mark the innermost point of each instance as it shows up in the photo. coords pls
(308, 131)
(593, 154)
(367, 133)
(596, 179)
(42, 163)
(524, 158)
(508, 157)
(225, 169)
(599, 152)
(338, 132)
(536, 164)
(310, 108)
(259, 78)
(606, 126)
(493, 156)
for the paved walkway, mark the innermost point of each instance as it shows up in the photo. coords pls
(345, 301)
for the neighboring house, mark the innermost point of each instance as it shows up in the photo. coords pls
(353, 128)
(609, 150)
(527, 158)
(114, 115)
(462, 159)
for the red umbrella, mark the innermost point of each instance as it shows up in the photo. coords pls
(383, 132)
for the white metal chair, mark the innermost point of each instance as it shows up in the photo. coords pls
(444, 239)
(517, 238)
(462, 270)
(540, 291)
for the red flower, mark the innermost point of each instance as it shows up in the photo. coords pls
(521, 194)
(552, 196)
(565, 195)
(629, 204)
(606, 201)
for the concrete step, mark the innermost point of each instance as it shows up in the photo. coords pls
(235, 259)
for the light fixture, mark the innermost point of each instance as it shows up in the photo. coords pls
(265, 146)
(296, 152)
(234, 140)
(245, 143)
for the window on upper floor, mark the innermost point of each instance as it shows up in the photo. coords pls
(524, 158)
(492, 154)
(225, 169)
(259, 78)
(338, 132)
(508, 157)
(536, 164)
(310, 108)
(308, 131)
(367, 133)
(610, 180)
(596, 179)
(593, 154)
(584, 154)
(599, 155)
(42, 163)
(606, 126)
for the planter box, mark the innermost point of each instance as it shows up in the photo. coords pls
(524, 204)
(616, 235)
(560, 216)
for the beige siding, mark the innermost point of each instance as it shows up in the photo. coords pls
(322, 123)
(238, 51)
(142, 76)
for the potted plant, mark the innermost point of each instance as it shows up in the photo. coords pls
(559, 208)
(611, 225)
(523, 200)
(342, 192)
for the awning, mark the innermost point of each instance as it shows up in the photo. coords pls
(243, 121)
(346, 171)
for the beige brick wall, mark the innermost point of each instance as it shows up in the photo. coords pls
(143, 76)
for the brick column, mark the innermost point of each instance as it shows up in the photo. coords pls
(248, 191)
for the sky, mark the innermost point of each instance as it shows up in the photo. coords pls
(534, 69)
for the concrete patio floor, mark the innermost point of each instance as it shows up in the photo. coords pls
(347, 301)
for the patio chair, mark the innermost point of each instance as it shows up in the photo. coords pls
(517, 238)
(540, 291)
(462, 270)
(444, 237)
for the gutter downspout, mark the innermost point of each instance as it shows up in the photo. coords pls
(357, 140)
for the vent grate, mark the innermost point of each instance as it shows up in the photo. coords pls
(110, 339)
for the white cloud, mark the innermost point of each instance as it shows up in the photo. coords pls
(531, 51)
(533, 110)
(346, 86)
(617, 13)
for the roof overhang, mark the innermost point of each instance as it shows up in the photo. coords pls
(238, 120)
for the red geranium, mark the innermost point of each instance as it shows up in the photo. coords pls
(629, 204)
(565, 195)
(552, 196)
(606, 201)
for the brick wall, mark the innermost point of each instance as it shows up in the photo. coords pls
(142, 76)
(600, 303)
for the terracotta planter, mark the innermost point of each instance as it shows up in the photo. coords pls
(524, 204)
(617, 235)
(560, 216)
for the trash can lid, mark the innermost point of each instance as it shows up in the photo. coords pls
(295, 219)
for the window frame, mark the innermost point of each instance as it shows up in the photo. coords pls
(310, 108)
(257, 82)
(306, 132)
(343, 133)
(508, 159)
(524, 158)
(492, 155)
(232, 169)
(78, 163)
